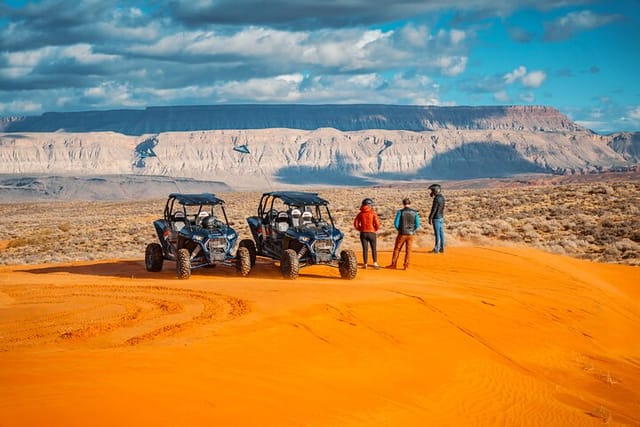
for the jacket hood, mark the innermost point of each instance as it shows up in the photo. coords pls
(365, 208)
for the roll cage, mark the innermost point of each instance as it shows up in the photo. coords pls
(303, 201)
(183, 203)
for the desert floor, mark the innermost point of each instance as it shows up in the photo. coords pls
(478, 336)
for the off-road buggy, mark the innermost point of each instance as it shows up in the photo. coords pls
(297, 229)
(194, 232)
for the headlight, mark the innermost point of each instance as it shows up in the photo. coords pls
(197, 238)
(303, 239)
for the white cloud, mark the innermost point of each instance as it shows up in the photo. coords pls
(416, 36)
(531, 79)
(343, 49)
(291, 78)
(452, 65)
(516, 74)
(366, 80)
(634, 113)
(457, 36)
(361, 88)
(24, 107)
(564, 27)
(279, 88)
(534, 79)
(83, 54)
(112, 93)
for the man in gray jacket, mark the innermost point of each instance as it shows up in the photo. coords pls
(436, 217)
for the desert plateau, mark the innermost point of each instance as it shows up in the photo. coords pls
(505, 328)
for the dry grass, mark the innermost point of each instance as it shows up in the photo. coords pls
(598, 221)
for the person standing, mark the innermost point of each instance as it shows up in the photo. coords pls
(407, 222)
(436, 217)
(368, 223)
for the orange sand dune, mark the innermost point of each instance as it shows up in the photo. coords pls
(478, 336)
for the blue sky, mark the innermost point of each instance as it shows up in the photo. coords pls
(579, 56)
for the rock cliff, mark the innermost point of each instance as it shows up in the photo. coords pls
(627, 144)
(321, 156)
(307, 117)
(303, 145)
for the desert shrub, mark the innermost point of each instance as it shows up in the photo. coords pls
(542, 226)
(627, 245)
(511, 235)
(501, 226)
(612, 250)
(607, 222)
(16, 243)
(530, 236)
(569, 245)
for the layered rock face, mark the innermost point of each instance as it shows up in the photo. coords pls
(306, 117)
(299, 157)
(627, 144)
(303, 145)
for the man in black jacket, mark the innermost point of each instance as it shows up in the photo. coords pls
(436, 217)
(407, 223)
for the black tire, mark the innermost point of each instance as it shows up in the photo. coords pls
(153, 257)
(289, 265)
(348, 264)
(183, 264)
(243, 261)
(251, 246)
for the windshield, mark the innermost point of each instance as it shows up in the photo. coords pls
(196, 214)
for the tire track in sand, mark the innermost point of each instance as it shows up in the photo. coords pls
(109, 315)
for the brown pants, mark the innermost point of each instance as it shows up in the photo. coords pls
(402, 240)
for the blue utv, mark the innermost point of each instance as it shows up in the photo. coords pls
(194, 232)
(297, 229)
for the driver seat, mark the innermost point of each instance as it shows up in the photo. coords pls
(201, 216)
(295, 217)
(178, 221)
(282, 222)
(307, 218)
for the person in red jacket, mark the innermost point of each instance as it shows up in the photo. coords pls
(367, 223)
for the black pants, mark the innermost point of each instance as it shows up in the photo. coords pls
(368, 239)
